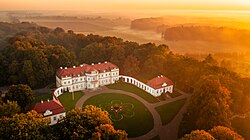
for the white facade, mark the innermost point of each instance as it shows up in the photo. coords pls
(54, 118)
(155, 92)
(89, 80)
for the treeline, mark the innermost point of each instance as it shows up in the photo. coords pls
(33, 57)
(208, 33)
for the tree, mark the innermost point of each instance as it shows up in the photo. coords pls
(9, 109)
(131, 66)
(209, 106)
(83, 124)
(29, 73)
(59, 30)
(224, 133)
(198, 135)
(118, 56)
(107, 131)
(27, 126)
(20, 93)
(210, 60)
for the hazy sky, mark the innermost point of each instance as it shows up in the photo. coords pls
(122, 4)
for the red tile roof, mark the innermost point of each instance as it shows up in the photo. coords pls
(54, 106)
(85, 68)
(157, 82)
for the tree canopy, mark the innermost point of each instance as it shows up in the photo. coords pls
(209, 106)
(20, 93)
(89, 123)
(27, 126)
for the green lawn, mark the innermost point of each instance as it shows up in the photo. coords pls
(142, 121)
(43, 97)
(67, 101)
(169, 111)
(242, 126)
(133, 89)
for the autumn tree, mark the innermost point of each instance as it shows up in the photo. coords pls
(118, 56)
(9, 109)
(131, 66)
(224, 133)
(27, 126)
(107, 131)
(29, 73)
(210, 60)
(83, 124)
(20, 93)
(198, 135)
(209, 106)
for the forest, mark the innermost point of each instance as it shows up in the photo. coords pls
(33, 55)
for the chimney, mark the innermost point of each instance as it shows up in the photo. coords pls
(74, 66)
(81, 65)
(48, 100)
(65, 68)
(78, 75)
(92, 64)
(105, 62)
(41, 101)
(61, 68)
(158, 76)
(161, 75)
(99, 62)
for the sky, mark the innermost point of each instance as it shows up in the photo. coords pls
(124, 4)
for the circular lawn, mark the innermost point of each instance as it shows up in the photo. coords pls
(127, 113)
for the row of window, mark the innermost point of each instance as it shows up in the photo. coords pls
(81, 79)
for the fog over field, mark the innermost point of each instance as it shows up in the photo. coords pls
(118, 23)
(149, 26)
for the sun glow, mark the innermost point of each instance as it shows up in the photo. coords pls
(128, 4)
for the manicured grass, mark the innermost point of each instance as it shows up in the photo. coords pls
(141, 123)
(242, 126)
(43, 97)
(67, 101)
(174, 94)
(156, 138)
(169, 111)
(133, 89)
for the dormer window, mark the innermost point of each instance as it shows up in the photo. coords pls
(47, 112)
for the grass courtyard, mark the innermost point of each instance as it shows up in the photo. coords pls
(133, 89)
(141, 122)
(168, 111)
(67, 101)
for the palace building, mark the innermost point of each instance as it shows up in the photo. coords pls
(87, 76)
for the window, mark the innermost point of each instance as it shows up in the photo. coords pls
(61, 116)
(69, 82)
(64, 83)
(54, 118)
